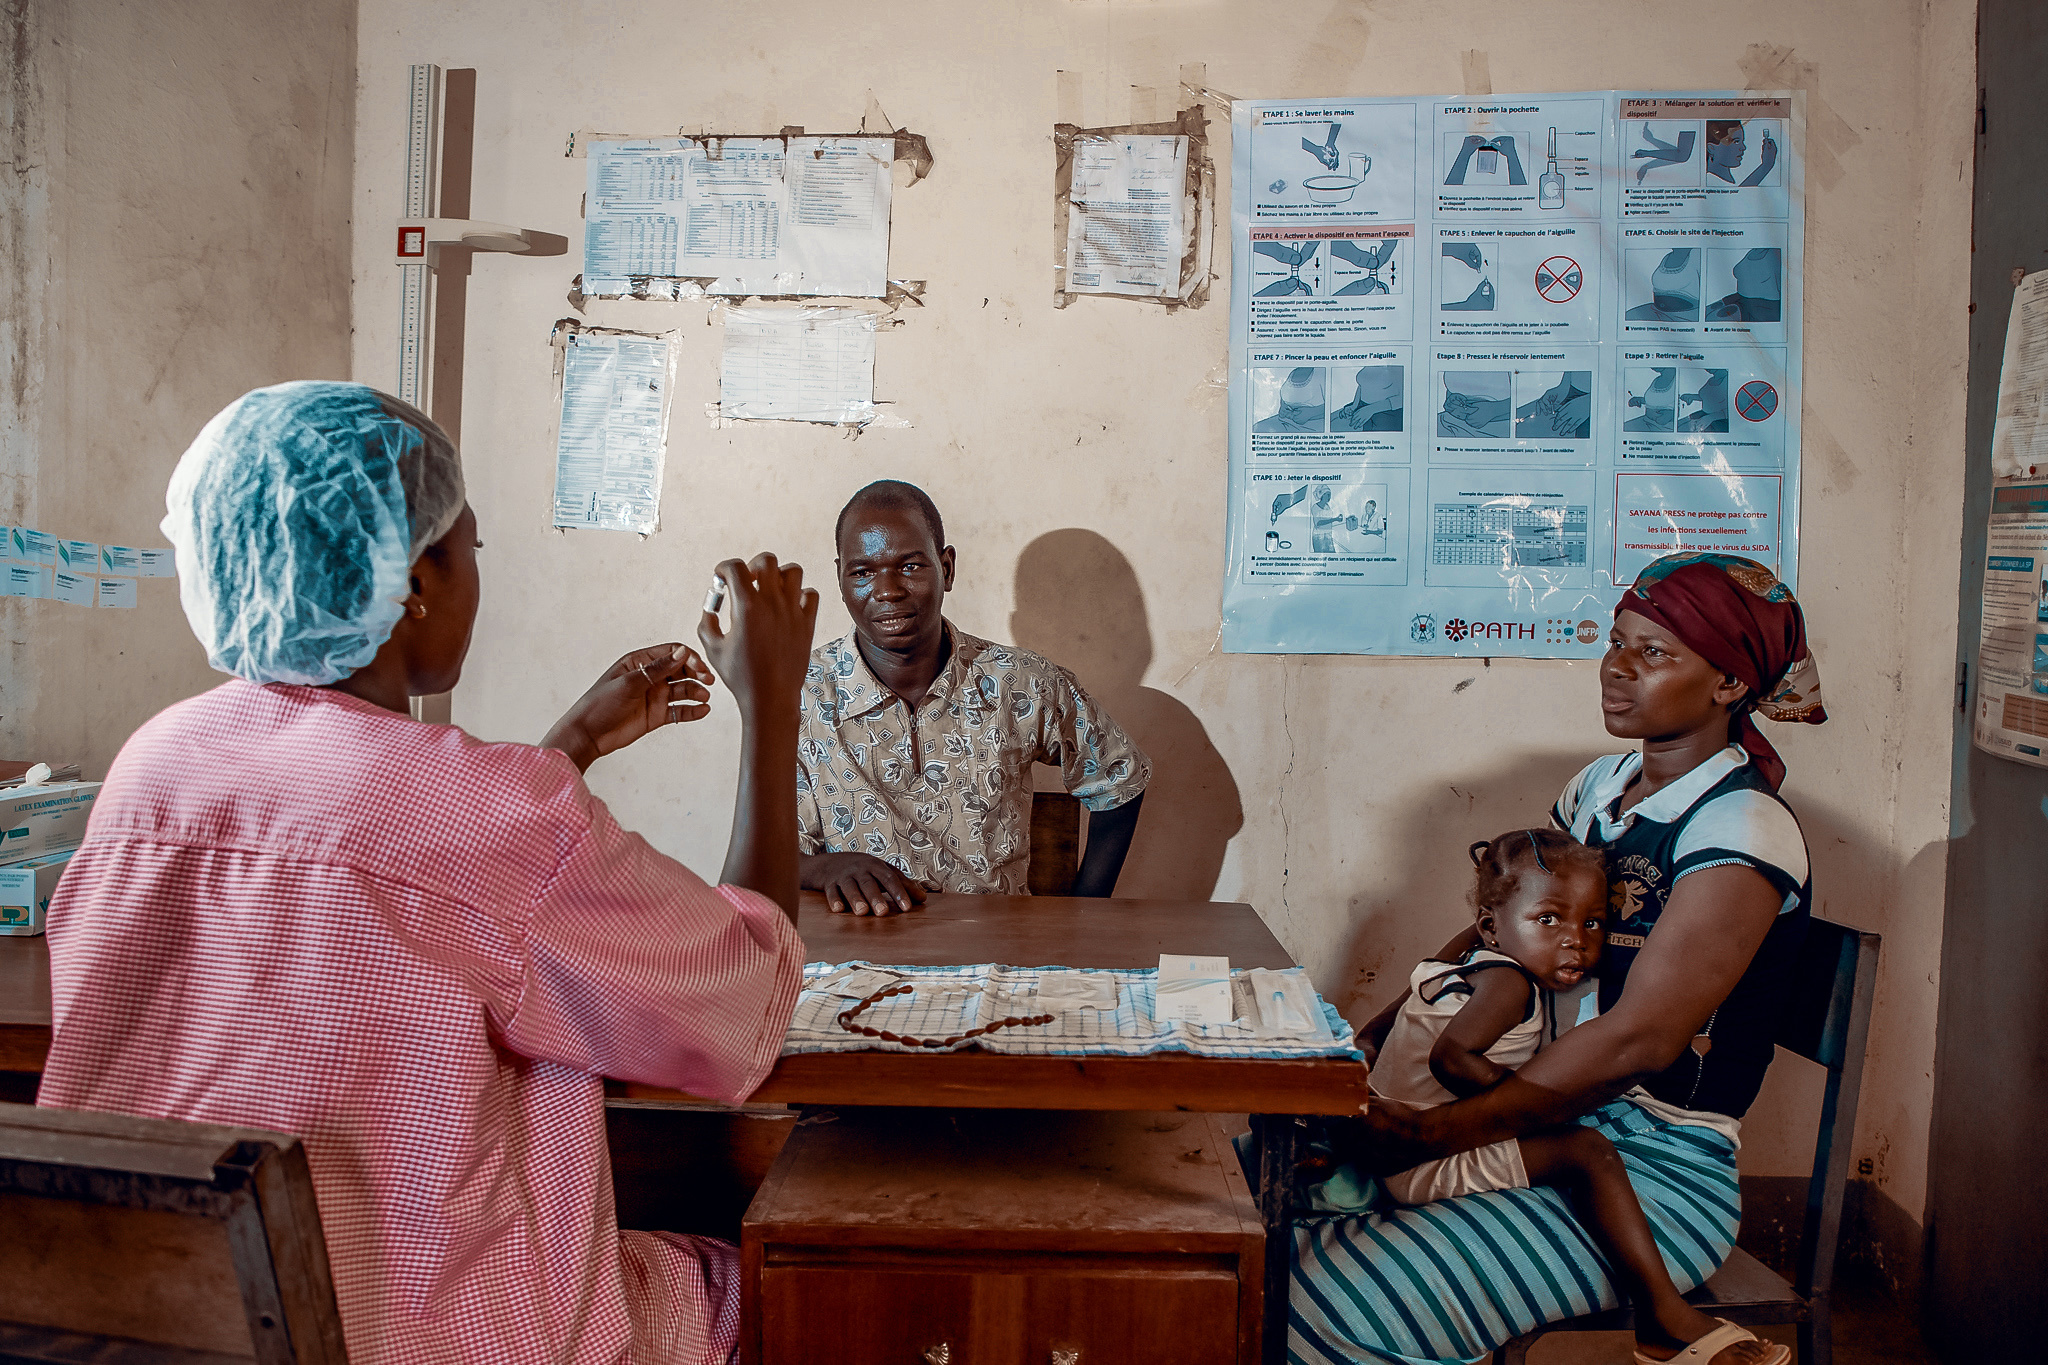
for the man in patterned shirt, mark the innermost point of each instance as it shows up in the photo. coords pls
(917, 739)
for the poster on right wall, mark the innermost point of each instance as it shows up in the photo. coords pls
(1492, 355)
(2011, 720)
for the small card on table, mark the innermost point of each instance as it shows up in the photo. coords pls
(1193, 990)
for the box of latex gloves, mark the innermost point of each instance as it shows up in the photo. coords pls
(25, 891)
(43, 819)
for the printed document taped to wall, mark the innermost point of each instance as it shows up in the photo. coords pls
(613, 431)
(2011, 716)
(756, 215)
(1492, 355)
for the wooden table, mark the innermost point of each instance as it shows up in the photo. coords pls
(1018, 931)
(1037, 931)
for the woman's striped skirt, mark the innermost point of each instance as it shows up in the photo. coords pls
(1450, 1281)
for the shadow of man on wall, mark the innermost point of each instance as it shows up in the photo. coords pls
(1079, 604)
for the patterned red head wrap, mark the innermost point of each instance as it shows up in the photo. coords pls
(1738, 617)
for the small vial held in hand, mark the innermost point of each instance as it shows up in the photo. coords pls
(715, 599)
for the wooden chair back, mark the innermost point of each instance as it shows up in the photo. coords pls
(132, 1239)
(1055, 843)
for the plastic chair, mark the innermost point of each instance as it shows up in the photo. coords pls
(131, 1239)
(1828, 1022)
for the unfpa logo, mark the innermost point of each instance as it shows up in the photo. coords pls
(1563, 631)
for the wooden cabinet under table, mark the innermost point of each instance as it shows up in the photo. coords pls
(1003, 1237)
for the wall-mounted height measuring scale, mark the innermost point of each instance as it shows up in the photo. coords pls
(432, 139)
(422, 183)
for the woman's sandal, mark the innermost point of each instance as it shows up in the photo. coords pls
(1717, 1341)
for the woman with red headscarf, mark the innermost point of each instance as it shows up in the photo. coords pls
(1711, 895)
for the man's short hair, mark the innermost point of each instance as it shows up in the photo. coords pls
(906, 497)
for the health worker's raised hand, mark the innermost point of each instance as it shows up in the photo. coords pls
(763, 655)
(659, 685)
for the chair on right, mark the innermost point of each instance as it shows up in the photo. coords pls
(1828, 1022)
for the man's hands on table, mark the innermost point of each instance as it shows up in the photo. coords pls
(860, 884)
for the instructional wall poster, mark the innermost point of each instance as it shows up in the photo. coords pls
(1490, 357)
(2012, 649)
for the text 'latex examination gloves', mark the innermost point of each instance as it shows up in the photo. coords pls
(296, 516)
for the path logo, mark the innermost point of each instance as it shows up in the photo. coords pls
(1422, 628)
(1455, 629)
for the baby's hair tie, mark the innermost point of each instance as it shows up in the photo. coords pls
(1537, 849)
(1479, 852)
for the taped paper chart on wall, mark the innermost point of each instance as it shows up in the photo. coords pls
(2011, 717)
(613, 428)
(798, 365)
(1492, 355)
(757, 215)
(1125, 216)
(1133, 210)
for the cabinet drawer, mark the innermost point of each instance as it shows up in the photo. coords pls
(986, 1316)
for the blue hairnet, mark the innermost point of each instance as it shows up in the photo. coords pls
(296, 516)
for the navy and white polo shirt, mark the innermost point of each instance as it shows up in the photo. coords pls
(1719, 813)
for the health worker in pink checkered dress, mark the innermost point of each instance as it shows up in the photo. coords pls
(299, 909)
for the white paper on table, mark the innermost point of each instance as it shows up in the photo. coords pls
(117, 592)
(24, 580)
(1193, 990)
(1125, 217)
(142, 563)
(855, 982)
(1055, 991)
(614, 428)
(802, 215)
(798, 365)
(77, 589)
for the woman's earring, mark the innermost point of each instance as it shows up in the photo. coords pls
(419, 609)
